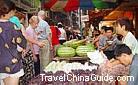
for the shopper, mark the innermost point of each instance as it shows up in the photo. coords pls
(44, 35)
(10, 62)
(63, 36)
(55, 37)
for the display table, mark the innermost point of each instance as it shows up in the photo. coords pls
(72, 59)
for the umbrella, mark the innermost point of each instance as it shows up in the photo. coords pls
(70, 5)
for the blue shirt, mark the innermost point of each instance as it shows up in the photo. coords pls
(103, 41)
(43, 30)
(134, 71)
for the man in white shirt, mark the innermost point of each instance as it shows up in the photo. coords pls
(123, 28)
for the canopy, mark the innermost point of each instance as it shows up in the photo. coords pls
(70, 5)
(124, 10)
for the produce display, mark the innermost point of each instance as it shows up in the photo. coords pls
(57, 73)
(75, 47)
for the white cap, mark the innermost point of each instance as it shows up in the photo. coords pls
(59, 23)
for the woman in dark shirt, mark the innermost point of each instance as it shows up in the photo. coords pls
(10, 61)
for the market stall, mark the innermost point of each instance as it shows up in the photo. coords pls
(74, 58)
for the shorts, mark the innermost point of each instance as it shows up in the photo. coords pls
(15, 75)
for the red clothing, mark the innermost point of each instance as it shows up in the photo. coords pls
(55, 35)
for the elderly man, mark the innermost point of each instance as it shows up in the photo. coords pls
(44, 34)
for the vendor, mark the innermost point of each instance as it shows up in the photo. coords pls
(108, 42)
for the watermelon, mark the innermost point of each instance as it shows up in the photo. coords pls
(66, 52)
(74, 43)
(77, 43)
(68, 43)
(82, 50)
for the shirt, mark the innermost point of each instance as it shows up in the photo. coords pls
(9, 39)
(131, 42)
(103, 41)
(63, 34)
(133, 72)
(31, 32)
(55, 35)
(43, 29)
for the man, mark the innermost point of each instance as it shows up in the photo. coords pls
(44, 34)
(124, 27)
(125, 56)
(108, 42)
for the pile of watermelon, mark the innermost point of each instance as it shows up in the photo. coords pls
(75, 47)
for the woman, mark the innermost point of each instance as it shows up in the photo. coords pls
(10, 62)
(31, 61)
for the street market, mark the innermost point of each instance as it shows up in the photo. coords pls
(68, 42)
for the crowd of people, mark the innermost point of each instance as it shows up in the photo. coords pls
(26, 51)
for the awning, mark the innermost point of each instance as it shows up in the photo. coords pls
(70, 5)
(124, 10)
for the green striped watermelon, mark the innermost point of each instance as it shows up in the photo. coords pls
(66, 52)
(82, 50)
